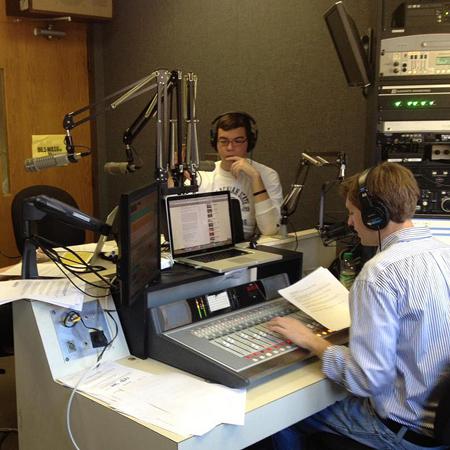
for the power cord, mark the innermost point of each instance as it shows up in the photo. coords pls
(47, 245)
(88, 372)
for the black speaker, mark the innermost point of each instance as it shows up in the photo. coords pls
(249, 123)
(374, 213)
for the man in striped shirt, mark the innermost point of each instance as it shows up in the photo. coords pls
(399, 340)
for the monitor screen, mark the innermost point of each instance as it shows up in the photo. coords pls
(199, 222)
(139, 242)
(348, 45)
(439, 225)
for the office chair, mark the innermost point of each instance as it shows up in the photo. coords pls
(48, 227)
(439, 401)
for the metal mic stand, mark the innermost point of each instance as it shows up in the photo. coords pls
(290, 201)
(36, 208)
(29, 262)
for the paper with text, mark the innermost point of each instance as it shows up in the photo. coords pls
(176, 402)
(55, 291)
(321, 296)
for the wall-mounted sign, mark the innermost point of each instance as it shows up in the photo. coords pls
(47, 144)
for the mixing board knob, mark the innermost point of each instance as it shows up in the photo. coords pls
(445, 204)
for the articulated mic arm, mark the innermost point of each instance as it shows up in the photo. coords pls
(173, 104)
(290, 201)
(36, 208)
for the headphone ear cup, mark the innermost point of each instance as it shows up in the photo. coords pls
(376, 216)
(212, 138)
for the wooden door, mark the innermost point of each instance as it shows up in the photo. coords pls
(43, 80)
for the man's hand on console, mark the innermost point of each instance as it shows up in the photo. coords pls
(299, 334)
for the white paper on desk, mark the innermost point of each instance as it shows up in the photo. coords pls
(57, 292)
(49, 269)
(323, 297)
(176, 402)
(46, 269)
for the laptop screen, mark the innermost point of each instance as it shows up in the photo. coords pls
(438, 225)
(199, 223)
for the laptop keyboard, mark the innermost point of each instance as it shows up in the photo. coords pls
(217, 256)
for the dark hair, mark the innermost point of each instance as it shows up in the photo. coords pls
(230, 121)
(392, 184)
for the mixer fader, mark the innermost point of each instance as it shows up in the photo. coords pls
(224, 336)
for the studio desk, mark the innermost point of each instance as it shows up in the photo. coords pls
(274, 401)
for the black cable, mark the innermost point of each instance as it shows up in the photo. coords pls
(139, 160)
(72, 316)
(100, 356)
(75, 316)
(53, 256)
(295, 234)
(83, 146)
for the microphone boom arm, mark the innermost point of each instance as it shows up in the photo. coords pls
(36, 208)
(166, 84)
(290, 201)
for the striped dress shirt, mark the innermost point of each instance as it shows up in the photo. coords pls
(400, 328)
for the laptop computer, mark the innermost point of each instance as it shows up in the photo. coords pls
(201, 233)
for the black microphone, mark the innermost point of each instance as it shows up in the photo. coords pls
(45, 162)
(120, 168)
(68, 214)
(206, 166)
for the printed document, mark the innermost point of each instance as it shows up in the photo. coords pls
(323, 297)
(176, 402)
(57, 292)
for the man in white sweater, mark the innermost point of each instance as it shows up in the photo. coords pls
(256, 186)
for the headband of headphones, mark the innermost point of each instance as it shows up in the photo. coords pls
(249, 123)
(374, 213)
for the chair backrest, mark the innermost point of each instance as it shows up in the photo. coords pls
(48, 227)
(441, 394)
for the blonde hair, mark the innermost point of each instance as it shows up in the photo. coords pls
(390, 183)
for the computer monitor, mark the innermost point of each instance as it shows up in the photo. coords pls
(139, 242)
(439, 225)
(348, 45)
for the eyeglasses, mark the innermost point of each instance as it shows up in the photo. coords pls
(224, 142)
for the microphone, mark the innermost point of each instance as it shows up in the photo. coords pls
(45, 162)
(206, 166)
(120, 168)
(68, 214)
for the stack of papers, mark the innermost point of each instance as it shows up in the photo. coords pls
(176, 402)
(321, 296)
(59, 292)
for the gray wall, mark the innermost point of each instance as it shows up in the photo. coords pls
(271, 58)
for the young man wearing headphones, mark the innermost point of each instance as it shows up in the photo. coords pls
(257, 187)
(400, 332)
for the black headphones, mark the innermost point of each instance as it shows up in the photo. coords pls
(250, 127)
(374, 213)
